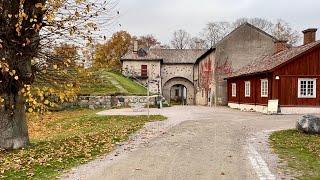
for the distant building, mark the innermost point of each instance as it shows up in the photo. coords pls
(236, 50)
(170, 71)
(290, 75)
(244, 70)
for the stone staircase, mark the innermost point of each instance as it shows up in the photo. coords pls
(135, 77)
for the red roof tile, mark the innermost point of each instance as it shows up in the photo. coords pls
(267, 63)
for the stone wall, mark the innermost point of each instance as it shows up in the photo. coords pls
(237, 50)
(133, 68)
(179, 81)
(203, 80)
(169, 71)
(107, 102)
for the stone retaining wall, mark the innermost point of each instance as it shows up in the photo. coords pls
(96, 102)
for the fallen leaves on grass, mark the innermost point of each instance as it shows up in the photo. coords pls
(65, 139)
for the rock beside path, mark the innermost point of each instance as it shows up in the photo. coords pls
(309, 124)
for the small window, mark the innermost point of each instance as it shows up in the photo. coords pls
(144, 71)
(264, 87)
(234, 89)
(307, 88)
(247, 89)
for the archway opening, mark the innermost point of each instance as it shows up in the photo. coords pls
(178, 95)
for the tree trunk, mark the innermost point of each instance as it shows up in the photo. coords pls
(13, 125)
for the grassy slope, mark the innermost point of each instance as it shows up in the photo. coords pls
(100, 84)
(129, 85)
(62, 140)
(300, 151)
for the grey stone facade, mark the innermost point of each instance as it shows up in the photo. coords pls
(202, 72)
(166, 92)
(176, 68)
(242, 46)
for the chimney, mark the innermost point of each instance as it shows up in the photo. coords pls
(198, 45)
(280, 45)
(135, 46)
(309, 36)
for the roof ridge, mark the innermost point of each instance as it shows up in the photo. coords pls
(250, 25)
(267, 63)
(179, 49)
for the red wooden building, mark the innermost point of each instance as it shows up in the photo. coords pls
(291, 76)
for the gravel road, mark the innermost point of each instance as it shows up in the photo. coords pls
(194, 143)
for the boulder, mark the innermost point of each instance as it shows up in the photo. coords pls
(309, 124)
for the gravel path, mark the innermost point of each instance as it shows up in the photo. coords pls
(194, 143)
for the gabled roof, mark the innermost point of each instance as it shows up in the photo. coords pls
(141, 55)
(178, 56)
(168, 56)
(252, 27)
(208, 52)
(268, 63)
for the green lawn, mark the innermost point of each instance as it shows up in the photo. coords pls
(62, 140)
(100, 83)
(300, 151)
(128, 84)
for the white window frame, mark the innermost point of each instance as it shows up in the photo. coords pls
(234, 90)
(314, 80)
(264, 89)
(247, 89)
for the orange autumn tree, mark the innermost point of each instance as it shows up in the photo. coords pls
(108, 55)
(50, 89)
(67, 51)
(29, 29)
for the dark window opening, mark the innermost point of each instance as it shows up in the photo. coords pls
(144, 71)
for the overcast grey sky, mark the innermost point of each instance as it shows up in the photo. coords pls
(162, 17)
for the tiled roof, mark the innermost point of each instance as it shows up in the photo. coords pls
(169, 56)
(208, 52)
(267, 63)
(183, 56)
(141, 55)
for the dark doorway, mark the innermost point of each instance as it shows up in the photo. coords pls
(178, 95)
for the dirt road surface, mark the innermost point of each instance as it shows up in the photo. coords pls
(194, 143)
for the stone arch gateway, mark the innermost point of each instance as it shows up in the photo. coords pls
(190, 91)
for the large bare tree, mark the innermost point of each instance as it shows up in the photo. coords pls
(283, 31)
(214, 32)
(181, 39)
(28, 31)
(197, 43)
(260, 23)
(280, 29)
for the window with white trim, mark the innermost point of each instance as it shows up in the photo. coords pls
(234, 89)
(264, 87)
(307, 88)
(247, 89)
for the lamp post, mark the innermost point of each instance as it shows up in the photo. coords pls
(159, 91)
(148, 99)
